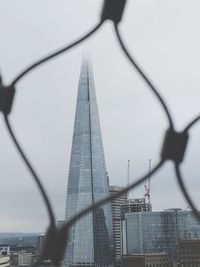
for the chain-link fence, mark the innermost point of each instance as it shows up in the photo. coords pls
(173, 147)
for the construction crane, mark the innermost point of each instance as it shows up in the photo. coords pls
(128, 178)
(147, 185)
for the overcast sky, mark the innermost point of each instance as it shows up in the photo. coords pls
(164, 36)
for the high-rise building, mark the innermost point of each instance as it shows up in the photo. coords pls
(120, 206)
(116, 218)
(90, 241)
(150, 232)
(132, 205)
(40, 242)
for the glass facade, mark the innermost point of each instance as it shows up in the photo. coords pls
(150, 232)
(91, 239)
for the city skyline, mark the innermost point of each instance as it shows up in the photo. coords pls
(132, 122)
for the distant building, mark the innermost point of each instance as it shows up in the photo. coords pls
(14, 258)
(4, 261)
(189, 253)
(4, 250)
(147, 260)
(150, 232)
(116, 218)
(40, 243)
(25, 258)
(158, 260)
(133, 261)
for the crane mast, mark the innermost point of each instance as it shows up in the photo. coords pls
(147, 185)
(128, 178)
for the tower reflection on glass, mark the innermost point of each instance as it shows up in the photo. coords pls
(90, 240)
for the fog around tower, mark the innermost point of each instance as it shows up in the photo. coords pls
(164, 39)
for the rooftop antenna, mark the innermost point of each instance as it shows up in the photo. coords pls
(147, 185)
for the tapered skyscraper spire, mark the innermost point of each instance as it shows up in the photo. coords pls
(91, 239)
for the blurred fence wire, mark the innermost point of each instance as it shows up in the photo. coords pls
(173, 147)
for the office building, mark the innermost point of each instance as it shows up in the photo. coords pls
(157, 260)
(40, 242)
(116, 218)
(189, 252)
(132, 205)
(150, 232)
(4, 255)
(133, 261)
(25, 258)
(147, 260)
(90, 241)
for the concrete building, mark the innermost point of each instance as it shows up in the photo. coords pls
(4, 250)
(189, 253)
(133, 261)
(147, 260)
(158, 260)
(4, 261)
(25, 258)
(116, 218)
(40, 242)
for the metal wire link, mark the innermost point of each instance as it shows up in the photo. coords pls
(113, 10)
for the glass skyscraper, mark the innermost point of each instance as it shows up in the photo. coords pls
(90, 240)
(150, 232)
